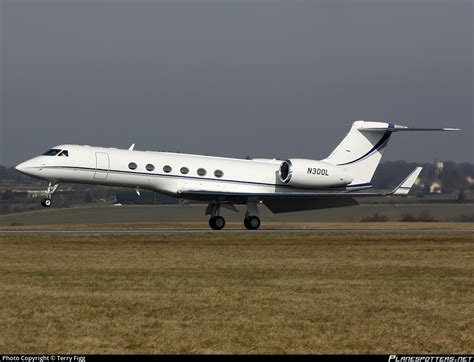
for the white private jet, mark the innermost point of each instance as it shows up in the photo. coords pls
(283, 186)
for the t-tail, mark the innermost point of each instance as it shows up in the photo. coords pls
(361, 150)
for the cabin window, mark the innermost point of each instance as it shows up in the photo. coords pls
(218, 173)
(184, 170)
(132, 166)
(150, 167)
(64, 153)
(201, 172)
(51, 152)
(167, 169)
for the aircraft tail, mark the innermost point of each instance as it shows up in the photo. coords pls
(361, 150)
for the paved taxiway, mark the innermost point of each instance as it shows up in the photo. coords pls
(205, 231)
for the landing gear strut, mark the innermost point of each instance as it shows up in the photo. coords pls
(252, 221)
(47, 202)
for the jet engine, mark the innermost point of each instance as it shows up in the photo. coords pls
(313, 174)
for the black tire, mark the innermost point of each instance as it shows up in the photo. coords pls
(252, 222)
(217, 222)
(246, 223)
(46, 202)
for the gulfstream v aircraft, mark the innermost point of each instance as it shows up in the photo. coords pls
(282, 186)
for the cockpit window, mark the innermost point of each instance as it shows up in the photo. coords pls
(51, 152)
(64, 153)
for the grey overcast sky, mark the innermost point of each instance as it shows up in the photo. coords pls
(235, 78)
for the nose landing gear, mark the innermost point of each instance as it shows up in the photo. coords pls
(47, 202)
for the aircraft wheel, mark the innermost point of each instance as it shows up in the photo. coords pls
(252, 222)
(217, 222)
(46, 202)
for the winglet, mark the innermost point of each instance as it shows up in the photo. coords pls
(405, 186)
(131, 147)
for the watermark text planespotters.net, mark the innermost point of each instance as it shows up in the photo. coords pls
(395, 358)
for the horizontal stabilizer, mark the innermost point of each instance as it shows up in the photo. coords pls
(397, 128)
(405, 186)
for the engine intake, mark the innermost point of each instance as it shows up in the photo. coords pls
(285, 171)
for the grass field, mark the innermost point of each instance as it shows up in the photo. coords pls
(238, 293)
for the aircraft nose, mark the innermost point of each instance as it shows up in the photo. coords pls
(21, 166)
(24, 167)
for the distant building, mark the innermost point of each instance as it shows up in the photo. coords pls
(439, 167)
(436, 187)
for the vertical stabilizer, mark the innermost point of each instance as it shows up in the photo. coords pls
(361, 150)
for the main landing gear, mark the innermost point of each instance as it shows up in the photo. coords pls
(217, 222)
(252, 221)
(47, 202)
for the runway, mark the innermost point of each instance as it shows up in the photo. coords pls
(228, 231)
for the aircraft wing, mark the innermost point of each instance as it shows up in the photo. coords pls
(296, 201)
(236, 197)
(276, 202)
(405, 186)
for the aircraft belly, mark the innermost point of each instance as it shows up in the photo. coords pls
(175, 185)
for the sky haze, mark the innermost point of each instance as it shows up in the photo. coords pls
(234, 78)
